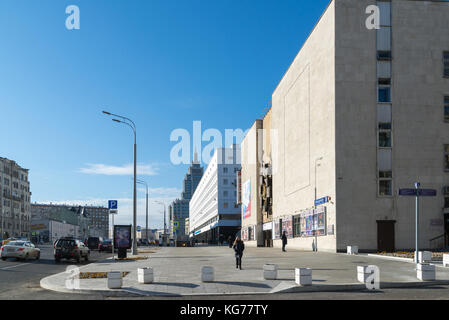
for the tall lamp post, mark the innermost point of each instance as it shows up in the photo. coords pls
(314, 205)
(146, 220)
(132, 125)
(165, 225)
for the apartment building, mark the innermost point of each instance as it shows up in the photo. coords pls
(15, 200)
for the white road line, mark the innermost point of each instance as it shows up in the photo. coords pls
(17, 265)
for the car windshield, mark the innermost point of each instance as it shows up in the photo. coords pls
(16, 243)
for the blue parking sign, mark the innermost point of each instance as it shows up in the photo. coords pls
(112, 205)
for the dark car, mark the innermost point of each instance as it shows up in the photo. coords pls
(93, 243)
(105, 245)
(69, 248)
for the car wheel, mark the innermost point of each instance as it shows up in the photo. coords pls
(86, 258)
(78, 260)
(57, 260)
(4, 258)
(38, 256)
(26, 257)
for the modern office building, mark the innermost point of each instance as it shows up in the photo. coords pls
(15, 200)
(360, 113)
(214, 211)
(178, 210)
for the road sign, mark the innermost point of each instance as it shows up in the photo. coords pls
(112, 205)
(421, 192)
(138, 229)
(322, 201)
(176, 225)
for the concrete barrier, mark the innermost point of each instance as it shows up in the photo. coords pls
(446, 260)
(352, 250)
(270, 271)
(303, 276)
(145, 275)
(425, 272)
(207, 274)
(114, 280)
(424, 256)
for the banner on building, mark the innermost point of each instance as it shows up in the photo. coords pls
(277, 229)
(287, 226)
(245, 234)
(239, 187)
(313, 221)
(246, 199)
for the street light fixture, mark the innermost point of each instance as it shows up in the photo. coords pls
(146, 223)
(132, 125)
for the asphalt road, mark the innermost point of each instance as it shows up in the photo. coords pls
(20, 279)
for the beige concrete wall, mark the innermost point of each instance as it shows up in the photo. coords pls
(419, 38)
(250, 149)
(303, 115)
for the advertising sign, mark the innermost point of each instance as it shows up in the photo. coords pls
(307, 226)
(287, 226)
(313, 221)
(122, 237)
(246, 199)
(277, 229)
(245, 234)
(320, 220)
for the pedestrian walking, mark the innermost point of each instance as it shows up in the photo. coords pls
(238, 246)
(230, 241)
(284, 241)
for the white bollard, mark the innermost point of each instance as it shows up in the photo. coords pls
(303, 276)
(270, 271)
(207, 274)
(424, 256)
(114, 280)
(425, 272)
(145, 275)
(445, 260)
(352, 250)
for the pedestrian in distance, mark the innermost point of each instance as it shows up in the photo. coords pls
(230, 241)
(238, 246)
(284, 241)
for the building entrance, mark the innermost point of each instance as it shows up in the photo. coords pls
(268, 238)
(385, 236)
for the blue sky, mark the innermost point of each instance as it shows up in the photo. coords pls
(162, 63)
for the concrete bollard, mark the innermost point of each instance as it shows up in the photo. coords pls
(270, 271)
(425, 272)
(303, 276)
(445, 260)
(145, 275)
(352, 250)
(207, 274)
(424, 256)
(114, 280)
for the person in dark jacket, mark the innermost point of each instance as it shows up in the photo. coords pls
(284, 241)
(230, 241)
(238, 246)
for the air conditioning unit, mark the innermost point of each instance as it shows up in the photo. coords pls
(446, 190)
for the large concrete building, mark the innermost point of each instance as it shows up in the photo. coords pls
(214, 211)
(360, 113)
(15, 200)
(178, 210)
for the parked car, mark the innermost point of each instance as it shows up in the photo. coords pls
(8, 240)
(93, 243)
(69, 248)
(20, 250)
(105, 245)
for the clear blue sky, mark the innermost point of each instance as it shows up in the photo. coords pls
(163, 63)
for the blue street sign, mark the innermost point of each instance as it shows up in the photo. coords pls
(422, 192)
(138, 229)
(322, 201)
(112, 205)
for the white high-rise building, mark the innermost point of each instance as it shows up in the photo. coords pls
(214, 212)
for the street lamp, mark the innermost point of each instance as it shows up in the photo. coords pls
(314, 204)
(132, 125)
(145, 184)
(165, 225)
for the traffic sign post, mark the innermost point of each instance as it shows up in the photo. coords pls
(113, 210)
(417, 192)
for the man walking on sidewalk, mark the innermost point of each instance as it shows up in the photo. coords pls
(284, 241)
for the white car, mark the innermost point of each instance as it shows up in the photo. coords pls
(20, 250)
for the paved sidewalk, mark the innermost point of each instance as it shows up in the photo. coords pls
(177, 272)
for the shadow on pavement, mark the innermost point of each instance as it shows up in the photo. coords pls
(244, 284)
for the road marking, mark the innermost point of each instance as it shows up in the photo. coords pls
(17, 265)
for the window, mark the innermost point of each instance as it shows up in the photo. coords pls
(225, 181)
(384, 55)
(297, 226)
(384, 91)
(446, 157)
(225, 170)
(446, 63)
(225, 205)
(384, 139)
(385, 188)
(446, 108)
(225, 193)
(446, 202)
